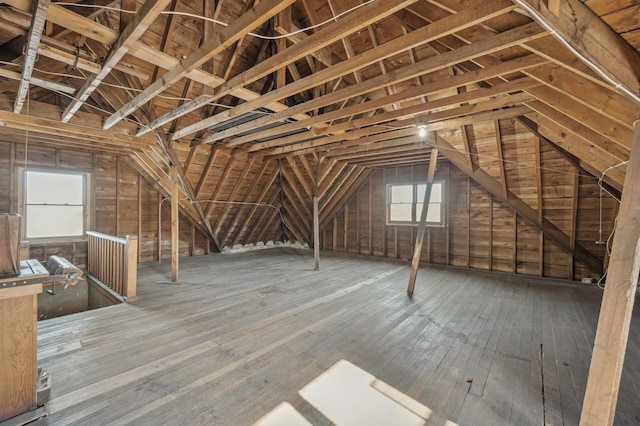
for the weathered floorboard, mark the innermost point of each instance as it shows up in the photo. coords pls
(239, 334)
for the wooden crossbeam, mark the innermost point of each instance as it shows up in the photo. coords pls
(38, 18)
(46, 84)
(412, 93)
(323, 37)
(210, 48)
(519, 206)
(459, 119)
(596, 41)
(87, 27)
(490, 45)
(133, 31)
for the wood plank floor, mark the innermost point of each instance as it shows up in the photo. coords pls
(240, 334)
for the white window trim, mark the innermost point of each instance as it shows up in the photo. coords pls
(22, 204)
(416, 220)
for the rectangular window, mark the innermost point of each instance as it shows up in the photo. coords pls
(404, 204)
(55, 204)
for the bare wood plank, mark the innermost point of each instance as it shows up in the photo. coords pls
(494, 187)
(134, 30)
(417, 251)
(224, 39)
(175, 220)
(46, 84)
(35, 32)
(500, 150)
(610, 345)
(588, 34)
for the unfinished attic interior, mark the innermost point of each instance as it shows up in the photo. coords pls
(340, 212)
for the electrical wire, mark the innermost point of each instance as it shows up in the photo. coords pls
(224, 24)
(541, 21)
(601, 281)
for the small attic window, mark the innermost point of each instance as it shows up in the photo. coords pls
(404, 204)
(54, 204)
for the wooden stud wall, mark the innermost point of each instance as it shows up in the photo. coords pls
(116, 208)
(482, 232)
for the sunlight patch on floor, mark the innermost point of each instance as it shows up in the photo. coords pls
(349, 396)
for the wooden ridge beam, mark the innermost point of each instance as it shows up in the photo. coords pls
(523, 209)
(210, 48)
(323, 37)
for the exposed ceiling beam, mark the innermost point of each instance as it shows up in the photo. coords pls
(210, 48)
(38, 19)
(324, 37)
(133, 31)
(595, 41)
(45, 84)
(372, 105)
(89, 28)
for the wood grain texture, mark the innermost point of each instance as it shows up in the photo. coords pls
(239, 334)
(18, 345)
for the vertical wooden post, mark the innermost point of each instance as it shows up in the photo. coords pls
(610, 345)
(316, 235)
(415, 261)
(159, 227)
(139, 213)
(174, 224)
(118, 204)
(131, 269)
(316, 219)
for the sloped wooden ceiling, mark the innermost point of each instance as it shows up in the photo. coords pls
(271, 101)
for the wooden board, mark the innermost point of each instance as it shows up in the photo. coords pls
(220, 346)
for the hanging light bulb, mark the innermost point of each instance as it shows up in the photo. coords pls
(422, 130)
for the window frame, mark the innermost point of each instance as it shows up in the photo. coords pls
(86, 203)
(415, 221)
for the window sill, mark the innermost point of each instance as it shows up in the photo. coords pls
(57, 240)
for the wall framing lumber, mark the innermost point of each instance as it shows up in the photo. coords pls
(609, 349)
(493, 186)
(417, 251)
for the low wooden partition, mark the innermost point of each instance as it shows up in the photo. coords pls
(113, 261)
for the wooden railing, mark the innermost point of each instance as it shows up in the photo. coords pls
(113, 261)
